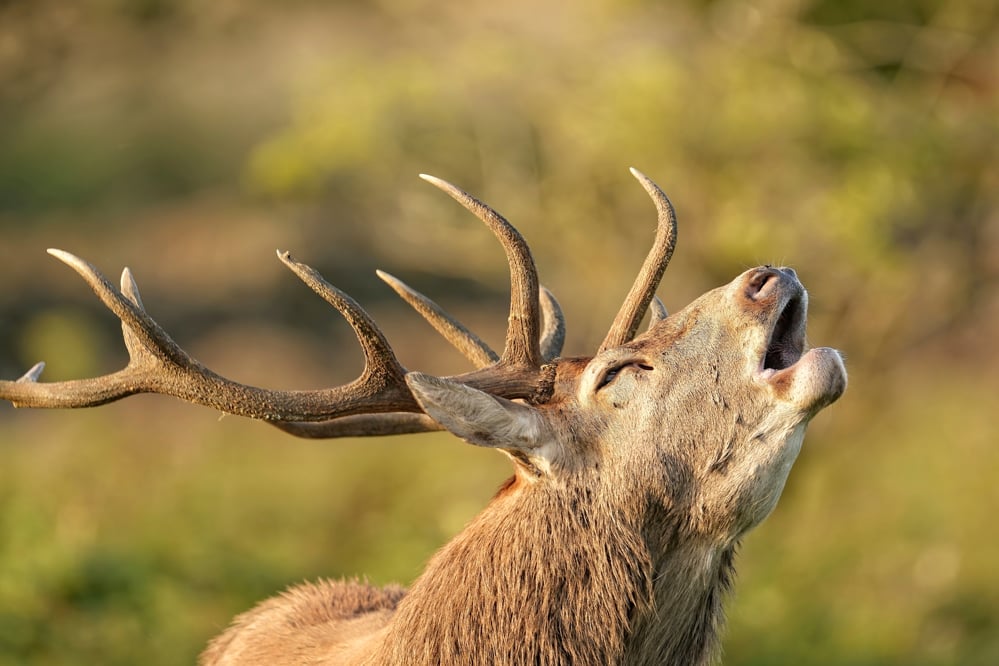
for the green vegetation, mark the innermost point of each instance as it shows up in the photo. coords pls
(854, 141)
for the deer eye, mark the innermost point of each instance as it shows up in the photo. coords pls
(608, 377)
(612, 372)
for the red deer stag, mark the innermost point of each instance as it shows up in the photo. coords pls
(636, 471)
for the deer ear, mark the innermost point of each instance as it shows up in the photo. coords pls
(477, 417)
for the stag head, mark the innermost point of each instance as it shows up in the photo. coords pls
(702, 415)
(642, 465)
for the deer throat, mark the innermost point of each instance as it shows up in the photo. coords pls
(523, 585)
(682, 625)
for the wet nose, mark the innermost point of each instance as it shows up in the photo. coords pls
(788, 271)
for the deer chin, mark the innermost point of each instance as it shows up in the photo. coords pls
(812, 382)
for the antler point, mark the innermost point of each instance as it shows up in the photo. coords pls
(441, 184)
(63, 256)
(127, 279)
(641, 177)
(33, 374)
(389, 279)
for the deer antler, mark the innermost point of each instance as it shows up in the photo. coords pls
(158, 365)
(642, 291)
(526, 346)
(469, 344)
(523, 336)
(377, 402)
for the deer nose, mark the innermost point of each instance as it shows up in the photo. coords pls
(788, 271)
(760, 282)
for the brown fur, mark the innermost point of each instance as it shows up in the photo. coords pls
(614, 541)
(304, 623)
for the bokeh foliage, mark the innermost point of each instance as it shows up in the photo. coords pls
(856, 141)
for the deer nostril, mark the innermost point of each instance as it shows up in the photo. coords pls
(756, 285)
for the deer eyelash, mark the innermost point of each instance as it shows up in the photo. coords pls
(612, 372)
(609, 376)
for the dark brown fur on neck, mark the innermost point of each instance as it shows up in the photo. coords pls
(593, 589)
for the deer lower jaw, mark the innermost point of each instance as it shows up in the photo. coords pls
(812, 382)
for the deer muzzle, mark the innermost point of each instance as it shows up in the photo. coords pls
(808, 379)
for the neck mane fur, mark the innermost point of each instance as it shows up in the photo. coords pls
(523, 585)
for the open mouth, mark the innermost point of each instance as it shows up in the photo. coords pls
(787, 339)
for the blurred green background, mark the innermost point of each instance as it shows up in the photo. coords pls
(856, 141)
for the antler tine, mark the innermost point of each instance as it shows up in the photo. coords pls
(375, 425)
(553, 329)
(144, 334)
(131, 291)
(467, 342)
(637, 302)
(462, 339)
(158, 365)
(379, 359)
(33, 374)
(522, 346)
(657, 311)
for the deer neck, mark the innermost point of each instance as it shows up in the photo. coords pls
(522, 583)
(691, 577)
